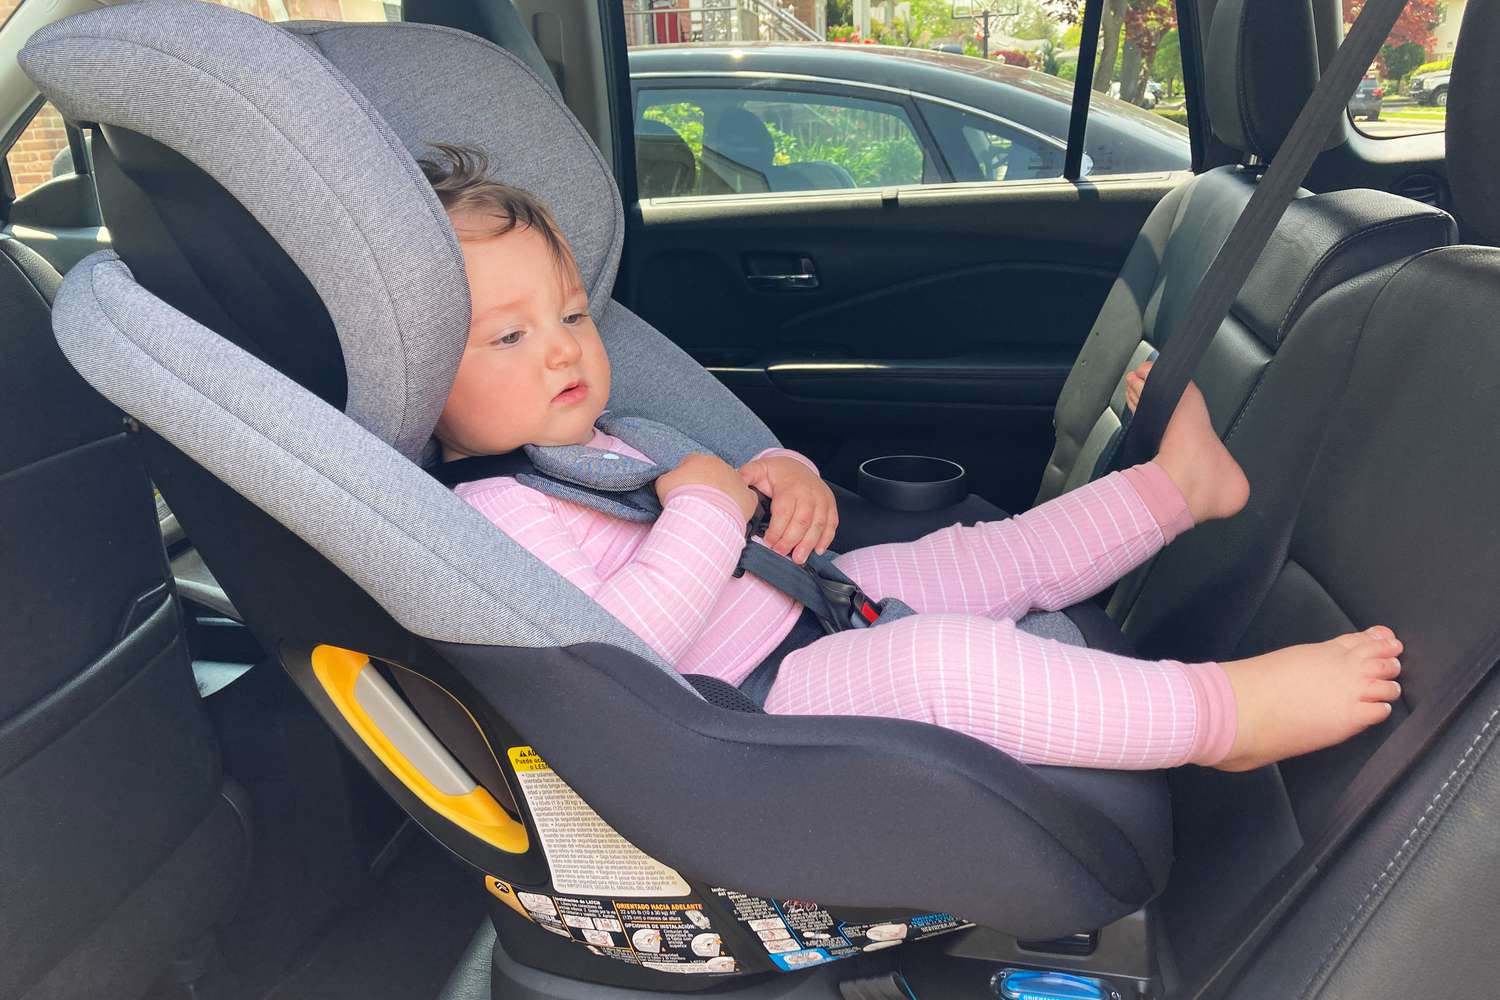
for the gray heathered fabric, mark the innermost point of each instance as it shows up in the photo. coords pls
(306, 158)
(434, 84)
(428, 558)
(654, 377)
(1052, 625)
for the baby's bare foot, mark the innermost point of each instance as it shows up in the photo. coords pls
(1192, 455)
(1304, 698)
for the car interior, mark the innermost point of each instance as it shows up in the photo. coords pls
(283, 717)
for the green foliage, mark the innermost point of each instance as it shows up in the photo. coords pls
(1179, 115)
(855, 141)
(1166, 68)
(838, 12)
(686, 118)
(1401, 60)
(876, 149)
(1434, 66)
(1068, 70)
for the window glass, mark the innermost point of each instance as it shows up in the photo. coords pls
(40, 153)
(958, 91)
(983, 149)
(1405, 91)
(769, 137)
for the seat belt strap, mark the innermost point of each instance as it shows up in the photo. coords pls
(1235, 259)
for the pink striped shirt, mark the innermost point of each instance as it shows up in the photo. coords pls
(670, 582)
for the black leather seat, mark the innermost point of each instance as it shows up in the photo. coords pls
(1370, 449)
(1262, 64)
(122, 843)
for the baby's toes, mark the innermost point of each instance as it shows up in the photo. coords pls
(1371, 713)
(1381, 690)
(1384, 668)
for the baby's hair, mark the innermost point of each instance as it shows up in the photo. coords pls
(461, 181)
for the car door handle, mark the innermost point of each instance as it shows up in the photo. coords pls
(781, 272)
(783, 282)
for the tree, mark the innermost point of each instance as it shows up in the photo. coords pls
(1167, 66)
(838, 12)
(1134, 27)
(1397, 61)
(1415, 25)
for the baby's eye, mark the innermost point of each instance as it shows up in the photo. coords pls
(573, 319)
(510, 339)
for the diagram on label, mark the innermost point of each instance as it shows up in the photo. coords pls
(797, 933)
(665, 936)
(586, 854)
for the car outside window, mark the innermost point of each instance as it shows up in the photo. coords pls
(756, 139)
(966, 91)
(1405, 91)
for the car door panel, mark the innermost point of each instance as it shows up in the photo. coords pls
(943, 319)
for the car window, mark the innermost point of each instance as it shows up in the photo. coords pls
(978, 148)
(1405, 91)
(40, 152)
(761, 135)
(958, 91)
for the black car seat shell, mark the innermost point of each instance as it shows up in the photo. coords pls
(401, 570)
(121, 853)
(1261, 65)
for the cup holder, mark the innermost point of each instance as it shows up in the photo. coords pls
(912, 482)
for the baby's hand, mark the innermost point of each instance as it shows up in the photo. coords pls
(804, 516)
(1135, 384)
(712, 471)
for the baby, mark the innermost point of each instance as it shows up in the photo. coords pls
(535, 371)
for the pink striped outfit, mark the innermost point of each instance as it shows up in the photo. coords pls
(960, 662)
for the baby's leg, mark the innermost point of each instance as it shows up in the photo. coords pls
(1044, 702)
(1049, 557)
(1072, 546)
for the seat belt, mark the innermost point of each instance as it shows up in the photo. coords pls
(818, 585)
(1232, 265)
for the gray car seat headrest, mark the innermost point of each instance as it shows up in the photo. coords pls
(325, 162)
(1473, 140)
(1260, 68)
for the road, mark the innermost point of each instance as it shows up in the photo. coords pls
(1386, 127)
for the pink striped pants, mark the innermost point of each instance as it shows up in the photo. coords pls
(962, 663)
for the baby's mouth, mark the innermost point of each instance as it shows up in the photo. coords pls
(573, 393)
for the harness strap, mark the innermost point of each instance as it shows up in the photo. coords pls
(819, 586)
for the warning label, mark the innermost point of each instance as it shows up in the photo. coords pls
(585, 853)
(667, 937)
(797, 933)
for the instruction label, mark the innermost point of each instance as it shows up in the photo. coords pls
(797, 933)
(667, 937)
(587, 856)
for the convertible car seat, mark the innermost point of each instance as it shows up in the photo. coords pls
(1261, 65)
(284, 316)
(120, 854)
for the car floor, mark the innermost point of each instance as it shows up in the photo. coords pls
(400, 938)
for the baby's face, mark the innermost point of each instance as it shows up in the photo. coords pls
(534, 370)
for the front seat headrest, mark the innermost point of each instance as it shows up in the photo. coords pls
(1261, 67)
(739, 136)
(1473, 141)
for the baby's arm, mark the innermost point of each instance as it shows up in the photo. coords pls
(665, 592)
